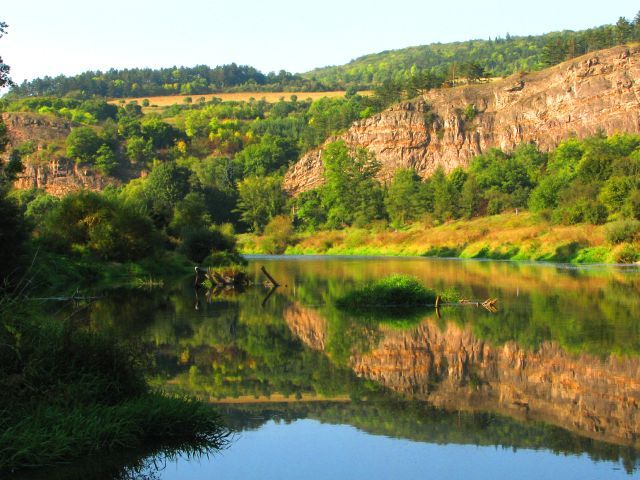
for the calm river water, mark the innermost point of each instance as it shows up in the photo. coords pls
(546, 387)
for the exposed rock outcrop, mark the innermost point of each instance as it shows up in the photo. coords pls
(51, 172)
(451, 368)
(596, 92)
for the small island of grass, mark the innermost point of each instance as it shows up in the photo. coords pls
(392, 292)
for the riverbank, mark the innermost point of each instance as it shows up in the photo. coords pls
(499, 237)
(67, 392)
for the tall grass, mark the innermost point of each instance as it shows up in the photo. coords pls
(395, 291)
(66, 392)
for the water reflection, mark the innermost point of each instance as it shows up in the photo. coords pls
(556, 368)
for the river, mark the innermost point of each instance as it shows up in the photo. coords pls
(547, 386)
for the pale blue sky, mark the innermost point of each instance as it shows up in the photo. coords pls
(69, 36)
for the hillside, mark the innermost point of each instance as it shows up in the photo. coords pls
(448, 127)
(443, 62)
(496, 57)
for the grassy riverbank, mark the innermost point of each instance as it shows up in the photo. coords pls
(503, 237)
(67, 392)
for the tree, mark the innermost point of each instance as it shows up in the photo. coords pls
(350, 193)
(261, 199)
(473, 71)
(139, 150)
(5, 80)
(165, 186)
(190, 213)
(308, 210)
(624, 30)
(266, 157)
(442, 195)
(106, 227)
(83, 144)
(13, 232)
(403, 197)
(106, 161)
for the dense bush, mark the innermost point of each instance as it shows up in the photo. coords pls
(106, 227)
(623, 231)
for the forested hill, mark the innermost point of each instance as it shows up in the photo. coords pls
(494, 57)
(427, 66)
(139, 82)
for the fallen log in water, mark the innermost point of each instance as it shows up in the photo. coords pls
(271, 282)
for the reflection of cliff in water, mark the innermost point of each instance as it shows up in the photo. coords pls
(450, 367)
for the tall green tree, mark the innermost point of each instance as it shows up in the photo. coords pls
(403, 199)
(351, 195)
(260, 199)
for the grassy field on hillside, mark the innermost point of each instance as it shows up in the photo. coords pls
(271, 97)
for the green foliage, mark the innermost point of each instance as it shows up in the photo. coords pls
(623, 231)
(473, 60)
(260, 199)
(350, 195)
(109, 229)
(67, 393)
(404, 201)
(139, 150)
(277, 234)
(199, 243)
(139, 82)
(271, 154)
(309, 211)
(106, 161)
(396, 294)
(165, 186)
(83, 144)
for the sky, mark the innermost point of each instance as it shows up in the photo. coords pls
(71, 36)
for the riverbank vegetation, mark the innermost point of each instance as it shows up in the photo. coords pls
(578, 203)
(68, 391)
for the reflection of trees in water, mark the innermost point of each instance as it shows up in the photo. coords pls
(236, 346)
(583, 310)
(417, 421)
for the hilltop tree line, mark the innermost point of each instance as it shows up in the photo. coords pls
(141, 82)
(475, 58)
(416, 68)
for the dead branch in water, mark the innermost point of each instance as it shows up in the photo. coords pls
(272, 282)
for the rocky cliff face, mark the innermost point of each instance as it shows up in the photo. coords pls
(597, 92)
(451, 368)
(51, 172)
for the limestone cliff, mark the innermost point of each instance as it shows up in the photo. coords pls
(451, 368)
(596, 92)
(46, 168)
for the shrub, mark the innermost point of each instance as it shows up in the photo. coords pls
(627, 254)
(277, 233)
(622, 231)
(393, 291)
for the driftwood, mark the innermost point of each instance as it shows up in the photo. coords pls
(223, 279)
(272, 282)
(489, 303)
